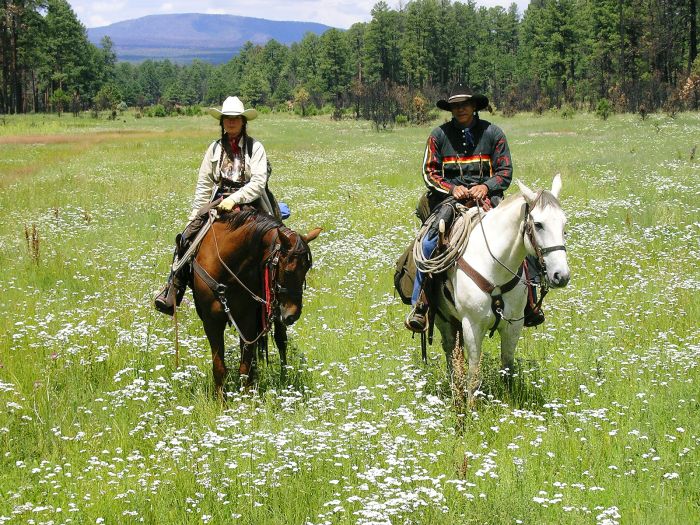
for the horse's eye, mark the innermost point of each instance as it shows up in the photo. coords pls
(539, 226)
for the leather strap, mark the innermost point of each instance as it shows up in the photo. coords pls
(497, 303)
(483, 283)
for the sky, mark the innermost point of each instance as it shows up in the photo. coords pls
(334, 13)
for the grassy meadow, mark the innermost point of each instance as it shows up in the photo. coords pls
(97, 425)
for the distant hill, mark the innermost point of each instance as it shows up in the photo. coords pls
(184, 37)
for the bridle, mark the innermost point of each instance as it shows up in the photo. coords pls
(301, 250)
(529, 232)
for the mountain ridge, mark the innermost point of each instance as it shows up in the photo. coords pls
(184, 37)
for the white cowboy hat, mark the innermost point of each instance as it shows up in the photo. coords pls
(233, 107)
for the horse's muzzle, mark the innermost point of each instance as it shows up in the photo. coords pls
(559, 279)
(290, 316)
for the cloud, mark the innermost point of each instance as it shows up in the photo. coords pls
(97, 21)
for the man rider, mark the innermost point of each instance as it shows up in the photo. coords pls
(466, 158)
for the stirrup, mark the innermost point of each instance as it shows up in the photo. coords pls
(164, 300)
(170, 296)
(417, 321)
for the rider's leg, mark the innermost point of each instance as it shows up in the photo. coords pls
(172, 293)
(417, 320)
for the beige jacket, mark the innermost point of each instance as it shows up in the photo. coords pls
(255, 175)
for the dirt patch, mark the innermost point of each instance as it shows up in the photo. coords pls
(552, 134)
(72, 139)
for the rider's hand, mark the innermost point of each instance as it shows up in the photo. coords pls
(460, 193)
(227, 204)
(480, 191)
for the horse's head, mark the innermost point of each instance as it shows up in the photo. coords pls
(294, 263)
(544, 228)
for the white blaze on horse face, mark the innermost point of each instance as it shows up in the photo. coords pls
(549, 223)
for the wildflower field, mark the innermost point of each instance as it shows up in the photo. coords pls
(97, 425)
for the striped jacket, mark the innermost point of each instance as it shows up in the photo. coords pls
(457, 156)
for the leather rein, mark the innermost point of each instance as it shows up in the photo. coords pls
(496, 292)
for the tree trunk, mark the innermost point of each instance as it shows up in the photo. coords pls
(4, 57)
(693, 40)
(16, 79)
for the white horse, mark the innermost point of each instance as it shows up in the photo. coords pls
(527, 223)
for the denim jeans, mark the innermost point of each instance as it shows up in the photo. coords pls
(429, 244)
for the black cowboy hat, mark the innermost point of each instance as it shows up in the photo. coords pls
(461, 93)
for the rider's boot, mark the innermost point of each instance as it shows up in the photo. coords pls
(417, 320)
(171, 295)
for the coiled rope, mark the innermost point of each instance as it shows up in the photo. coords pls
(459, 237)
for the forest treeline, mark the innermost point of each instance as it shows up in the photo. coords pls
(633, 55)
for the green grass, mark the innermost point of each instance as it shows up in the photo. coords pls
(97, 424)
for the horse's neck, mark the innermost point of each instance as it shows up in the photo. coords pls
(244, 252)
(502, 229)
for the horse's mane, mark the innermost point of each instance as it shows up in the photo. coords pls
(546, 199)
(260, 223)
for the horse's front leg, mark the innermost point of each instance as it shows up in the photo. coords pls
(448, 334)
(214, 330)
(281, 343)
(472, 336)
(510, 333)
(246, 369)
(250, 328)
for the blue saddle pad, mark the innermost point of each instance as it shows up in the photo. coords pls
(285, 212)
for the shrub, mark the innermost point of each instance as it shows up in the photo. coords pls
(509, 111)
(643, 112)
(59, 100)
(567, 111)
(193, 111)
(603, 109)
(157, 111)
(401, 120)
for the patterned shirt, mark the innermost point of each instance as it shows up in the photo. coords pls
(467, 156)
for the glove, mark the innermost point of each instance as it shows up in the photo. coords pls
(227, 204)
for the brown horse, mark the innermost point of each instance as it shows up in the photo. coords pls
(249, 272)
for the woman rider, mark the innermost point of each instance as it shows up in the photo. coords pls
(234, 171)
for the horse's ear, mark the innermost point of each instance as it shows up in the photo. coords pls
(529, 195)
(311, 235)
(556, 185)
(285, 239)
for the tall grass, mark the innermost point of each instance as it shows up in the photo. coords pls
(98, 426)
